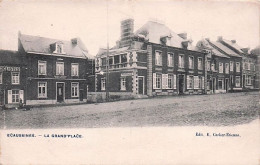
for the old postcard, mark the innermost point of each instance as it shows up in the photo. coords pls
(129, 82)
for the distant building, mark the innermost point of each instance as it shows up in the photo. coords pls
(256, 52)
(57, 70)
(152, 61)
(12, 79)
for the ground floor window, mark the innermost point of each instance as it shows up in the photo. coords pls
(157, 80)
(237, 81)
(1, 77)
(190, 82)
(220, 84)
(248, 80)
(42, 89)
(75, 89)
(170, 81)
(123, 83)
(208, 85)
(15, 96)
(103, 84)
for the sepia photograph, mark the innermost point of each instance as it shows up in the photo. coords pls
(129, 82)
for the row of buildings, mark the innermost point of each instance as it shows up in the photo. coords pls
(151, 61)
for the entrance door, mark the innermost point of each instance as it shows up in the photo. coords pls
(141, 85)
(227, 84)
(81, 95)
(60, 92)
(181, 84)
(2, 97)
(214, 85)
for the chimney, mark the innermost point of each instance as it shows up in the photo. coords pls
(220, 38)
(245, 50)
(207, 39)
(183, 35)
(233, 41)
(127, 31)
(74, 41)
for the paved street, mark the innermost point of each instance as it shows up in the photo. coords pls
(212, 110)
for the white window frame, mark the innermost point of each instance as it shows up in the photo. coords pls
(74, 69)
(170, 81)
(42, 95)
(75, 87)
(16, 96)
(213, 67)
(191, 62)
(200, 65)
(248, 80)
(181, 61)
(103, 84)
(237, 84)
(170, 61)
(220, 67)
(231, 66)
(44, 67)
(14, 80)
(158, 58)
(58, 63)
(123, 83)
(158, 81)
(227, 68)
(237, 66)
(1, 77)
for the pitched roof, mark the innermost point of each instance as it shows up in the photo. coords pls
(10, 57)
(256, 50)
(224, 49)
(153, 31)
(42, 45)
(103, 51)
(234, 45)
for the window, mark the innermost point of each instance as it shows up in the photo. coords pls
(170, 59)
(226, 68)
(103, 84)
(59, 68)
(170, 81)
(103, 61)
(190, 82)
(220, 84)
(200, 65)
(158, 58)
(238, 67)
(158, 81)
(15, 78)
(191, 62)
(42, 67)
(248, 80)
(123, 58)
(181, 61)
(59, 48)
(237, 81)
(208, 65)
(247, 65)
(42, 89)
(213, 67)
(74, 69)
(15, 96)
(220, 67)
(1, 77)
(231, 66)
(74, 89)
(123, 83)
(200, 82)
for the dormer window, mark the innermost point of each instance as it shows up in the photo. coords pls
(58, 48)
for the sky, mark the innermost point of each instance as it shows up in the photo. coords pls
(97, 22)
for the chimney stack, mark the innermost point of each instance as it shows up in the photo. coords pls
(127, 31)
(233, 41)
(183, 35)
(220, 38)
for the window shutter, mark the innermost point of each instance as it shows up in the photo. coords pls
(188, 83)
(154, 80)
(202, 83)
(174, 81)
(9, 96)
(21, 95)
(163, 81)
(196, 82)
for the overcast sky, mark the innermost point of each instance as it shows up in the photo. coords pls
(88, 20)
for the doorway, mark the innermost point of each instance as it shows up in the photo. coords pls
(214, 85)
(141, 85)
(181, 84)
(60, 92)
(81, 95)
(226, 84)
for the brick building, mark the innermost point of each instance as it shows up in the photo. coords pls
(152, 61)
(57, 70)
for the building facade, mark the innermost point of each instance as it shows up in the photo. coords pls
(12, 83)
(56, 70)
(152, 61)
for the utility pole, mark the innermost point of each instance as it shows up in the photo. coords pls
(107, 61)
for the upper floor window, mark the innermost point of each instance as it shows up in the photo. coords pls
(247, 65)
(191, 62)
(231, 66)
(220, 67)
(213, 67)
(208, 65)
(227, 68)
(181, 61)
(74, 69)
(170, 59)
(103, 61)
(59, 68)
(200, 65)
(123, 58)
(15, 78)
(123, 83)
(238, 67)
(158, 58)
(42, 65)
(1, 77)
